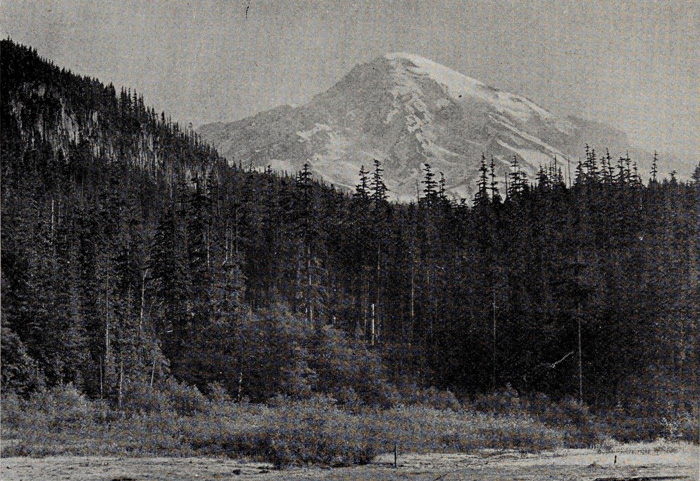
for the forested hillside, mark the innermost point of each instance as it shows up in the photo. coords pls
(132, 252)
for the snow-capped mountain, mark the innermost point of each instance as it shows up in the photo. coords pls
(405, 111)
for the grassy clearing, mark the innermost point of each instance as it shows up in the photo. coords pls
(178, 421)
(61, 421)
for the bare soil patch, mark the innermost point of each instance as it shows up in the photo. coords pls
(638, 462)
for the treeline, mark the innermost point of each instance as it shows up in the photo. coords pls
(132, 252)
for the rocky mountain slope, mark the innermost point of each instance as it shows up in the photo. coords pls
(405, 111)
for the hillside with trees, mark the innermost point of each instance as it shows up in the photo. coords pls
(132, 253)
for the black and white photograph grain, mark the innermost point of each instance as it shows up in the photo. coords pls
(350, 240)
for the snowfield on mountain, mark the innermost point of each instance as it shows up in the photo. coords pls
(405, 111)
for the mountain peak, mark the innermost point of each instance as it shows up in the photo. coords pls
(436, 71)
(405, 110)
(461, 87)
(405, 56)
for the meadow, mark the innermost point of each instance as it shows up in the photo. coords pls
(176, 420)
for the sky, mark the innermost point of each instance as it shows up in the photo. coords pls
(631, 64)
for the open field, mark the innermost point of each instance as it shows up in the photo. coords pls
(638, 461)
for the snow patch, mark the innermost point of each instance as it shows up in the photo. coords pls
(533, 158)
(530, 138)
(307, 134)
(441, 153)
(460, 87)
(409, 99)
(442, 103)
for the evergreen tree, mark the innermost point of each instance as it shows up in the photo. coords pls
(430, 193)
(169, 281)
(379, 190)
(654, 168)
(696, 175)
(495, 194)
(481, 198)
(590, 167)
(517, 179)
(362, 189)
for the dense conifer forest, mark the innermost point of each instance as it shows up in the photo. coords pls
(132, 252)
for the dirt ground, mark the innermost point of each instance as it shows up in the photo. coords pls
(656, 461)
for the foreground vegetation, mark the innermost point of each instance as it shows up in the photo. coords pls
(177, 420)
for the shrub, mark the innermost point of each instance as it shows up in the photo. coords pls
(12, 411)
(341, 363)
(218, 394)
(624, 428)
(279, 400)
(503, 402)
(63, 406)
(153, 433)
(313, 431)
(139, 397)
(317, 432)
(689, 425)
(18, 371)
(422, 429)
(607, 445)
(186, 400)
(348, 398)
(581, 428)
(436, 399)
(220, 402)
(383, 395)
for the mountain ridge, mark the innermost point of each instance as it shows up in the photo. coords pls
(406, 111)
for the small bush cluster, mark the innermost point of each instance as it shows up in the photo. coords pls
(139, 397)
(62, 407)
(317, 432)
(186, 400)
(625, 427)
(422, 429)
(177, 420)
(579, 426)
(655, 404)
(12, 411)
(503, 402)
(430, 397)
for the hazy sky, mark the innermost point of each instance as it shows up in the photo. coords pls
(632, 64)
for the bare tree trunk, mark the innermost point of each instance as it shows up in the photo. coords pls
(104, 379)
(432, 311)
(309, 288)
(101, 386)
(227, 247)
(493, 345)
(364, 301)
(106, 323)
(121, 382)
(239, 396)
(580, 360)
(52, 220)
(208, 243)
(143, 301)
(413, 299)
(153, 368)
(377, 290)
